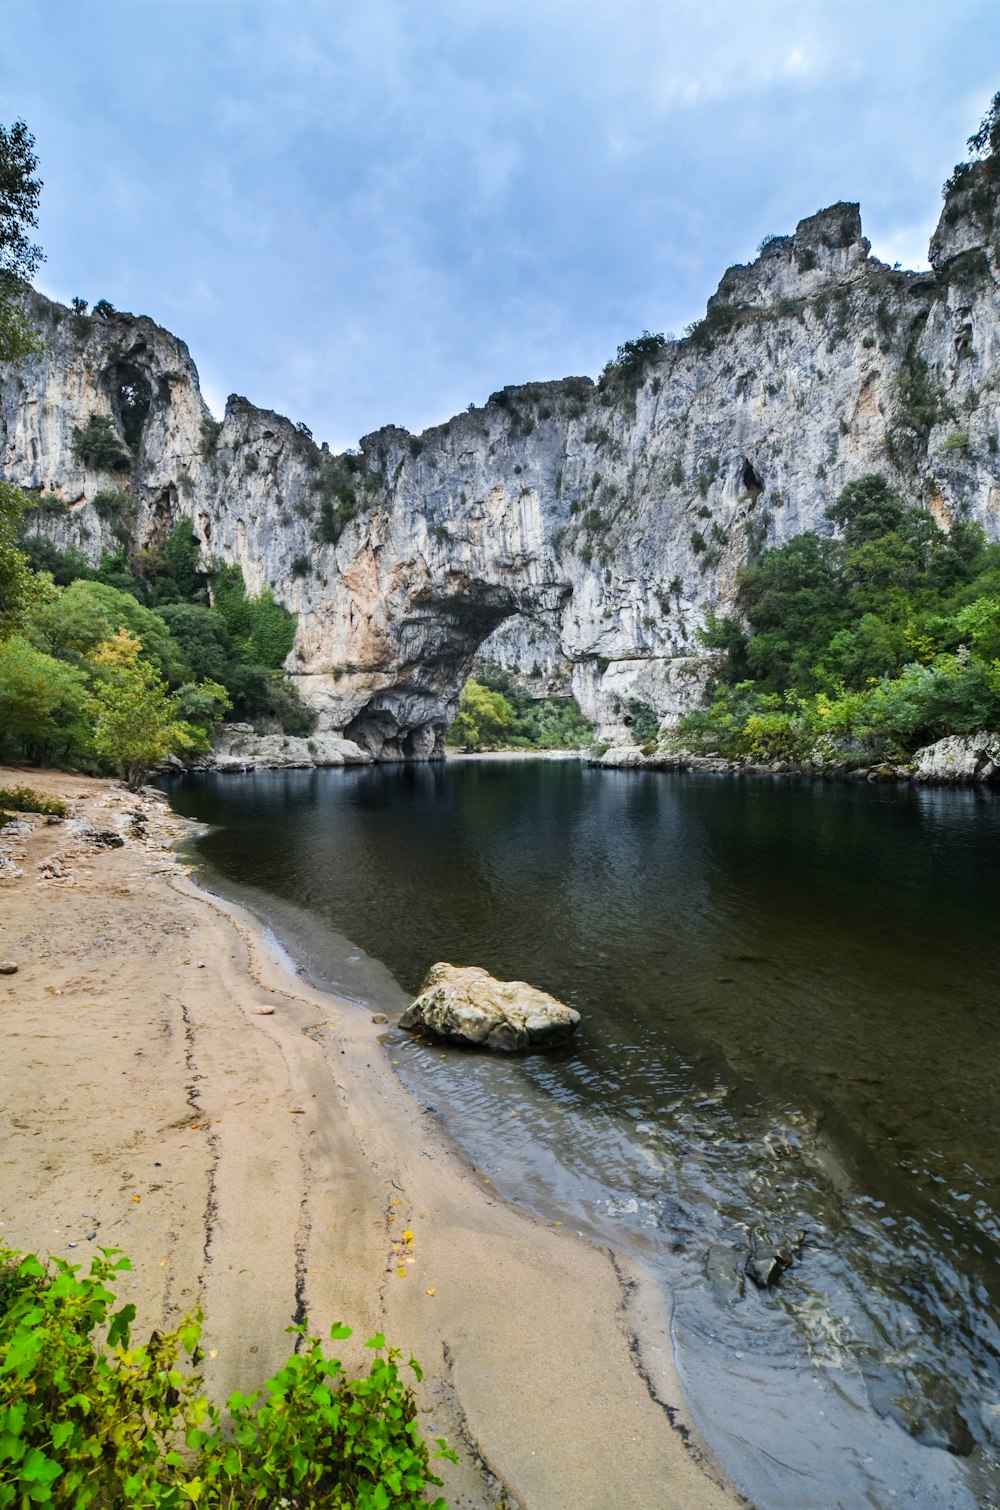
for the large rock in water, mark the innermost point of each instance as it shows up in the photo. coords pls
(467, 1004)
(959, 757)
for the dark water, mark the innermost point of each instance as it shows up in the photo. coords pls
(791, 1002)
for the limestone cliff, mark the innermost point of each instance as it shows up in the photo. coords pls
(585, 528)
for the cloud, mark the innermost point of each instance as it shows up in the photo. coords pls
(368, 213)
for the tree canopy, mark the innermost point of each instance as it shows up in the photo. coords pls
(19, 255)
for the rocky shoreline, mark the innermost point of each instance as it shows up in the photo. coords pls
(956, 760)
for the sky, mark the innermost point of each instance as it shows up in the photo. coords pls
(369, 213)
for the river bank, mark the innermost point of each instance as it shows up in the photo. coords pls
(172, 1088)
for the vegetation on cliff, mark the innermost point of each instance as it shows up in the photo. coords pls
(862, 646)
(90, 1418)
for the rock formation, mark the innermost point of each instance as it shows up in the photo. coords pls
(577, 530)
(468, 1005)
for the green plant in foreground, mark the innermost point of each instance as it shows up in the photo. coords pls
(87, 1418)
(24, 799)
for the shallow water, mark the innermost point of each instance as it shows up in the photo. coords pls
(790, 997)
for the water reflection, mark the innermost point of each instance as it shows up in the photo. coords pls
(790, 999)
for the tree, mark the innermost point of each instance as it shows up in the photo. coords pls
(97, 445)
(20, 590)
(75, 621)
(42, 701)
(19, 256)
(483, 717)
(135, 718)
(986, 141)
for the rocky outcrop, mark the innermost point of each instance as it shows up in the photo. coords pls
(959, 758)
(470, 1006)
(584, 530)
(237, 747)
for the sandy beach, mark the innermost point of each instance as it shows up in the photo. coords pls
(172, 1088)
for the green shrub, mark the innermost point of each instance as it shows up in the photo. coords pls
(645, 721)
(211, 429)
(88, 1418)
(24, 799)
(261, 629)
(97, 445)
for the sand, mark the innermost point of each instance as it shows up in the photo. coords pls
(172, 1088)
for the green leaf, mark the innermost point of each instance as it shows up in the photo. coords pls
(118, 1332)
(377, 1341)
(339, 1331)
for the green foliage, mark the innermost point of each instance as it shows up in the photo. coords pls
(861, 647)
(24, 799)
(97, 445)
(135, 720)
(921, 406)
(42, 701)
(19, 257)
(632, 358)
(262, 631)
(89, 1418)
(483, 719)
(77, 619)
(20, 590)
(211, 429)
(496, 712)
(183, 555)
(644, 720)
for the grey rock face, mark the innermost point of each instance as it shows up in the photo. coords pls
(586, 529)
(959, 758)
(470, 1006)
(238, 748)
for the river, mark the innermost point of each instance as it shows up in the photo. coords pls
(791, 999)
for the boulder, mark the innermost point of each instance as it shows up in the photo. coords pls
(468, 1005)
(959, 758)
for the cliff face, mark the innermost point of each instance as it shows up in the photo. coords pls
(568, 529)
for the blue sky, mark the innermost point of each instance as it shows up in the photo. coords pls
(363, 213)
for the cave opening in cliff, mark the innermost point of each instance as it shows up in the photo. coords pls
(753, 483)
(131, 396)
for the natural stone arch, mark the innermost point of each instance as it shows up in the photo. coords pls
(408, 716)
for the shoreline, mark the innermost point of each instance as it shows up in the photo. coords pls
(265, 1160)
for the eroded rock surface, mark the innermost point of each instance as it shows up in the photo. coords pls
(468, 1005)
(959, 758)
(577, 533)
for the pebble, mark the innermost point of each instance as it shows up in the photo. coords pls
(379, 1017)
(263, 1011)
(7, 967)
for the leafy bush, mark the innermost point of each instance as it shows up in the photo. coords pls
(42, 702)
(88, 1418)
(632, 358)
(24, 799)
(97, 444)
(645, 721)
(211, 429)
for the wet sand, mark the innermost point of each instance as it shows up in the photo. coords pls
(171, 1086)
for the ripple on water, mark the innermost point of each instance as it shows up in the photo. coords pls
(790, 999)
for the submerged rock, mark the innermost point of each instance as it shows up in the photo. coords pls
(467, 1004)
(724, 1269)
